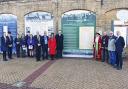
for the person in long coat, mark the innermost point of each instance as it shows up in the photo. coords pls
(37, 39)
(23, 45)
(120, 43)
(105, 47)
(4, 46)
(59, 41)
(26, 39)
(97, 47)
(17, 42)
(52, 46)
(30, 44)
(10, 45)
(44, 44)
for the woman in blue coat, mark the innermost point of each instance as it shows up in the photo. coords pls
(30, 43)
(4, 46)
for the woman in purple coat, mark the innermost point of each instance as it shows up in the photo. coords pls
(30, 43)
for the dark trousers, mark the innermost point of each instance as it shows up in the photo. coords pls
(23, 53)
(104, 55)
(59, 54)
(52, 56)
(112, 58)
(38, 53)
(18, 50)
(4, 56)
(45, 52)
(10, 52)
(119, 60)
(28, 50)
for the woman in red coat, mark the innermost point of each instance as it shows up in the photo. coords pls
(52, 46)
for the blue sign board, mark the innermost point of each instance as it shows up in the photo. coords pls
(10, 22)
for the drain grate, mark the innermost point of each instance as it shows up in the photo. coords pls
(20, 84)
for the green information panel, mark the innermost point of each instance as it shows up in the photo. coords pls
(72, 21)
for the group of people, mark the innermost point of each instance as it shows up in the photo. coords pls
(109, 48)
(106, 48)
(29, 45)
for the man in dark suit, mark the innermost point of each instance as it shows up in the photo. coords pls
(18, 45)
(59, 41)
(37, 39)
(26, 39)
(23, 45)
(9, 45)
(44, 44)
(4, 46)
(105, 47)
(120, 43)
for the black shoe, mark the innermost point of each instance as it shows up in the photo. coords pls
(114, 66)
(5, 60)
(118, 68)
(37, 60)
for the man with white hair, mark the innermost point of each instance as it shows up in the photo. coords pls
(112, 49)
(120, 43)
(44, 44)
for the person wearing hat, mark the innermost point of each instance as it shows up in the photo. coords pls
(97, 47)
(4, 46)
(9, 45)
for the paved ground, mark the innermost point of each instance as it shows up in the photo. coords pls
(61, 74)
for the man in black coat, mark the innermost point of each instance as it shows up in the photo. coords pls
(44, 44)
(37, 39)
(17, 42)
(9, 45)
(120, 43)
(26, 39)
(105, 47)
(4, 46)
(59, 41)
